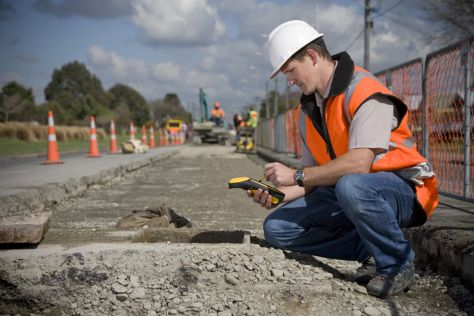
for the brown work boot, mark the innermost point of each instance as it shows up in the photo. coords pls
(366, 271)
(383, 285)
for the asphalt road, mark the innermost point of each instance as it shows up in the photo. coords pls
(18, 174)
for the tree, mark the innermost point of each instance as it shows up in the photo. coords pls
(12, 104)
(17, 102)
(453, 19)
(78, 91)
(169, 107)
(125, 96)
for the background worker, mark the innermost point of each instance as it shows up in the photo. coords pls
(217, 114)
(238, 122)
(362, 179)
(253, 118)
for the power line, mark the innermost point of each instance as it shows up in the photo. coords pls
(389, 9)
(355, 39)
(377, 16)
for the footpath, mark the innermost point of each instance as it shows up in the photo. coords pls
(445, 242)
(28, 188)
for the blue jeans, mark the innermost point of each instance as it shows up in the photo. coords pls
(360, 217)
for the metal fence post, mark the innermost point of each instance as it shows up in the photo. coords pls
(466, 61)
(424, 115)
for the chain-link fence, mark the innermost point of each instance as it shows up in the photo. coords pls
(448, 112)
(406, 82)
(440, 103)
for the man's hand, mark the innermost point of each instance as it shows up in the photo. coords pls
(279, 174)
(261, 197)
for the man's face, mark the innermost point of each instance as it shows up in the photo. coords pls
(300, 73)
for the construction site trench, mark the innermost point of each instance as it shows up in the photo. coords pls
(210, 260)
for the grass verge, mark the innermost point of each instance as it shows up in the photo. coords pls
(17, 147)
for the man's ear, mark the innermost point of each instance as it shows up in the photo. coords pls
(313, 55)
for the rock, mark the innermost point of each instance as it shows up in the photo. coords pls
(122, 279)
(211, 267)
(138, 293)
(372, 311)
(134, 282)
(249, 266)
(217, 307)
(385, 311)
(197, 306)
(231, 279)
(122, 297)
(119, 288)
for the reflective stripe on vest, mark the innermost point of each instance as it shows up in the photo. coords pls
(340, 110)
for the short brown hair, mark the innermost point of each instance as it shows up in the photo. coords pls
(318, 45)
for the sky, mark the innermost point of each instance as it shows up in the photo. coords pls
(178, 46)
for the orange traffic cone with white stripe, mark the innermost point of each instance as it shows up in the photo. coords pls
(144, 141)
(113, 149)
(132, 131)
(53, 152)
(152, 138)
(162, 138)
(93, 145)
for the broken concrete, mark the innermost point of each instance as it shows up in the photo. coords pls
(24, 229)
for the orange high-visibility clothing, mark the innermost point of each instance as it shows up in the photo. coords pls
(327, 137)
(217, 112)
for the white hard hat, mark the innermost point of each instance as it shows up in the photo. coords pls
(288, 38)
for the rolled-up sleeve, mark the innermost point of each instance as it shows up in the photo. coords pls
(372, 124)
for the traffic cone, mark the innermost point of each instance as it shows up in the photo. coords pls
(53, 152)
(132, 131)
(162, 137)
(152, 138)
(165, 133)
(93, 146)
(113, 149)
(144, 135)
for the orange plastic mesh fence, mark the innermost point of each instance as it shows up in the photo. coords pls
(292, 134)
(406, 82)
(382, 77)
(445, 89)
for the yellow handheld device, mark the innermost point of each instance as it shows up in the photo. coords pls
(247, 183)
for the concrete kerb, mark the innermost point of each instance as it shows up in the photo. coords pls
(39, 200)
(445, 242)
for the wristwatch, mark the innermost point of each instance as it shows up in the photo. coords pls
(299, 176)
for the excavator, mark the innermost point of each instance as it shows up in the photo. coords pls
(206, 131)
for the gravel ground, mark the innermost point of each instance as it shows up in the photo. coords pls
(86, 266)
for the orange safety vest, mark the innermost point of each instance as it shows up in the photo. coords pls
(217, 112)
(328, 137)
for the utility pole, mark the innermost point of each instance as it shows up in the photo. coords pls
(267, 101)
(368, 25)
(275, 98)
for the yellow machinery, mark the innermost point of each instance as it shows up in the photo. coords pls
(245, 142)
(174, 126)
